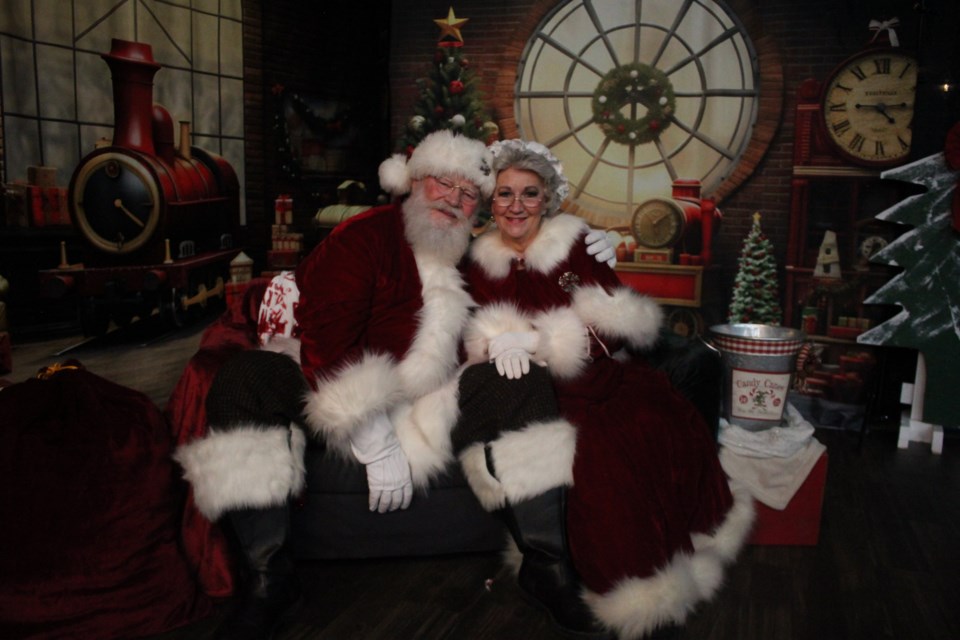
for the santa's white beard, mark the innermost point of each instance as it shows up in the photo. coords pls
(446, 240)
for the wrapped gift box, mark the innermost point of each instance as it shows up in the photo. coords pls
(283, 259)
(799, 522)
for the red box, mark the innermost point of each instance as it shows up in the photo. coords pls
(48, 206)
(283, 259)
(799, 523)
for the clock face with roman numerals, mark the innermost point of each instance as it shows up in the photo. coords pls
(868, 107)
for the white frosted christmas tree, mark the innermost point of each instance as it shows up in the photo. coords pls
(928, 288)
(756, 296)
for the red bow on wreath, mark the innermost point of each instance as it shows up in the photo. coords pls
(951, 152)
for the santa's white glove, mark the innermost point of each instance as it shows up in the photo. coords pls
(375, 445)
(511, 352)
(598, 246)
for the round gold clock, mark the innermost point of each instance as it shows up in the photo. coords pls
(115, 202)
(658, 223)
(868, 104)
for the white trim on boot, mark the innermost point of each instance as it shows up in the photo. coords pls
(528, 462)
(245, 466)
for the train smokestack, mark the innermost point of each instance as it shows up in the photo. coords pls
(132, 68)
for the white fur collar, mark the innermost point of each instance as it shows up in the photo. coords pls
(548, 249)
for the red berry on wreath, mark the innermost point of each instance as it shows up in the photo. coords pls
(621, 128)
(654, 125)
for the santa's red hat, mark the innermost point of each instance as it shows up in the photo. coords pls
(441, 153)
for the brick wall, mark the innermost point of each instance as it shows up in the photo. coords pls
(812, 36)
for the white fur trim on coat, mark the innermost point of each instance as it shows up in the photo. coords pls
(423, 429)
(554, 242)
(488, 323)
(637, 606)
(624, 313)
(564, 342)
(249, 466)
(352, 397)
(433, 356)
(527, 462)
(551, 246)
(563, 337)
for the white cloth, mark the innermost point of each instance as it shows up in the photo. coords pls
(773, 463)
(775, 442)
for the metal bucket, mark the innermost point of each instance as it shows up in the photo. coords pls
(758, 366)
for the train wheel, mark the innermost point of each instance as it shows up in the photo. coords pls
(173, 309)
(94, 318)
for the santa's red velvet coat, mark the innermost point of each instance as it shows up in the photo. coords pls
(380, 329)
(651, 518)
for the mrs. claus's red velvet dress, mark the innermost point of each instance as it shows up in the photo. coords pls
(651, 517)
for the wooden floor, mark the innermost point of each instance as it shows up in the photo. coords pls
(887, 564)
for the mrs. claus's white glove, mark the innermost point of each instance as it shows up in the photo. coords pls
(598, 246)
(375, 445)
(511, 352)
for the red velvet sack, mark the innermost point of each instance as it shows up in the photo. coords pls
(90, 501)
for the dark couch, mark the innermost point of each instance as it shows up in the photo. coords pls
(332, 519)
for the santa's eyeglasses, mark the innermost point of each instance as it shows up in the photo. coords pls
(445, 187)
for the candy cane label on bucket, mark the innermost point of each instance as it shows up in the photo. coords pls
(758, 395)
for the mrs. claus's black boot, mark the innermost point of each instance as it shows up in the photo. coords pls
(547, 576)
(270, 589)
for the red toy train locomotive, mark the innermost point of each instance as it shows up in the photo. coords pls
(158, 221)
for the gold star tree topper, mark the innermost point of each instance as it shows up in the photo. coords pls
(450, 27)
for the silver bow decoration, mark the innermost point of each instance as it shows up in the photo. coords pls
(878, 26)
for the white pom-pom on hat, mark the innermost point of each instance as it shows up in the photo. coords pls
(394, 176)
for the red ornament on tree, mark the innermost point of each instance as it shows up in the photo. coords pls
(456, 87)
(438, 110)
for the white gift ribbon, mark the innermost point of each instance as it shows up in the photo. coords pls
(886, 25)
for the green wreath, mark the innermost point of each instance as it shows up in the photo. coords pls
(629, 85)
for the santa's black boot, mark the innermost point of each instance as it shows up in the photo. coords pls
(270, 590)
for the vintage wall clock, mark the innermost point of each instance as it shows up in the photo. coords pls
(868, 104)
(632, 96)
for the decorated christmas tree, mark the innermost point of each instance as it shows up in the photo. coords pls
(928, 289)
(756, 298)
(449, 98)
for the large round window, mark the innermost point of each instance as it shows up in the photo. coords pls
(634, 95)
